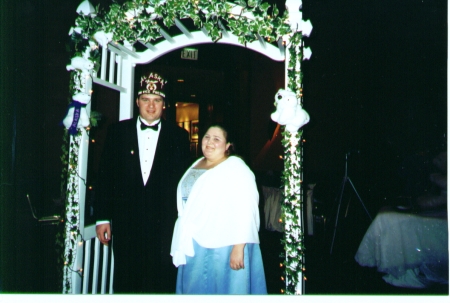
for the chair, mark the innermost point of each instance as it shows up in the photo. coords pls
(47, 220)
(90, 257)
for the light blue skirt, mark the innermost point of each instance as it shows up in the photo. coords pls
(209, 272)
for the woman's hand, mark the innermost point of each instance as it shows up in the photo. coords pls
(237, 257)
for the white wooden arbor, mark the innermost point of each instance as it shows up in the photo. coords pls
(116, 71)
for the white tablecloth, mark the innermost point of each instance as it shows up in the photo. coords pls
(411, 249)
(273, 198)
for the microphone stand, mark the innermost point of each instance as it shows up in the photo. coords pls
(344, 181)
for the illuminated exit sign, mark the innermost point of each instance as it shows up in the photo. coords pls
(189, 54)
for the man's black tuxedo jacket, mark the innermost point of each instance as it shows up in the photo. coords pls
(142, 217)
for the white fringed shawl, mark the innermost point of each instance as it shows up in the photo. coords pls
(222, 210)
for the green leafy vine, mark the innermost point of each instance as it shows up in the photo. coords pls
(72, 232)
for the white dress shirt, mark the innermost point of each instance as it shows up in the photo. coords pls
(147, 139)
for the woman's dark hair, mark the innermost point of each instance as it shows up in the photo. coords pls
(227, 133)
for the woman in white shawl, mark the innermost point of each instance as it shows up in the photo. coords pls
(215, 244)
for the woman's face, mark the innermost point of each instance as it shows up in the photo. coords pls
(214, 144)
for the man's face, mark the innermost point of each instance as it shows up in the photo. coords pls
(150, 107)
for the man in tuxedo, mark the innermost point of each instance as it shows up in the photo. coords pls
(143, 160)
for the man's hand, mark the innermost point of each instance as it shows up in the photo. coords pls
(104, 233)
(237, 257)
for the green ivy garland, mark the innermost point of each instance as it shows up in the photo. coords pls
(292, 178)
(291, 208)
(72, 216)
(137, 20)
(141, 21)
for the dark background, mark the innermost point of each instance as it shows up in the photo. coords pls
(375, 86)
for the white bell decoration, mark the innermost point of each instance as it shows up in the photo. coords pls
(83, 120)
(289, 112)
(77, 115)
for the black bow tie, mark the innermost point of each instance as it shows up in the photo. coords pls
(145, 126)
